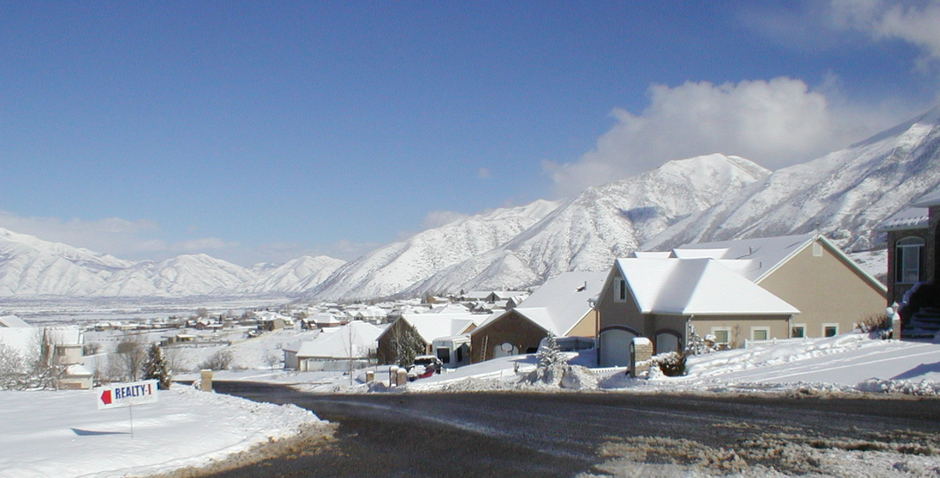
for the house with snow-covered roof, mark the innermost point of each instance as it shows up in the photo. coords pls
(734, 291)
(424, 328)
(352, 344)
(562, 306)
(913, 236)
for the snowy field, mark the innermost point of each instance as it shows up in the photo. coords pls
(63, 433)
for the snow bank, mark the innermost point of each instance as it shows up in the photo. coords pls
(64, 434)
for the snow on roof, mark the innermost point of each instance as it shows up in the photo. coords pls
(360, 334)
(907, 218)
(450, 308)
(324, 318)
(763, 254)
(649, 254)
(432, 326)
(928, 200)
(64, 334)
(562, 301)
(12, 321)
(696, 286)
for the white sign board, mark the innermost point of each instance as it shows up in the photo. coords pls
(126, 394)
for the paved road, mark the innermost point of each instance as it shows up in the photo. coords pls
(489, 434)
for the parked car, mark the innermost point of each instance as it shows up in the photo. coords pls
(424, 366)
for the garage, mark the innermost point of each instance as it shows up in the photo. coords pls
(615, 347)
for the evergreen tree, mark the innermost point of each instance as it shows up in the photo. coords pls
(551, 364)
(156, 368)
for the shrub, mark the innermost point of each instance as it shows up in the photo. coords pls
(874, 323)
(220, 360)
(672, 364)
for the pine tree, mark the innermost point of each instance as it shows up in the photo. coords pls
(551, 362)
(156, 368)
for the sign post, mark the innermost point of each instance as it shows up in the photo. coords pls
(118, 395)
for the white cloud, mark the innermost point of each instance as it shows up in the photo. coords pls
(440, 218)
(484, 173)
(120, 237)
(774, 123)
(918, 24)
(123, 238)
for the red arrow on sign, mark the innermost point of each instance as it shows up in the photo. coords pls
(106, 397)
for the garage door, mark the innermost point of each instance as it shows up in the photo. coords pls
(615, 348)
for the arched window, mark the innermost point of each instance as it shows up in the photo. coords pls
(909, 260)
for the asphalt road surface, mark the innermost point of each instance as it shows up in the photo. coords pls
(503, 434)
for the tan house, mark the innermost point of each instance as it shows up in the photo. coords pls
(424, 328)
(734, 291)
(562, 306)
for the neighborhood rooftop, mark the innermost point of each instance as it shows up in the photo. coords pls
(563, 300)
(761, 254)
(696, 286)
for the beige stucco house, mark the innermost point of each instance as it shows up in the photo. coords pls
(562, 306)
(735, 291)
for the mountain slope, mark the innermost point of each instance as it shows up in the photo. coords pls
(295, 276)
(602, 223)
(30, 266)
(844, 194)
(391, 269)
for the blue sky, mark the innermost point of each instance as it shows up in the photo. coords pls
(259, 131)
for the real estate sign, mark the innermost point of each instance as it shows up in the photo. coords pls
(126, 394)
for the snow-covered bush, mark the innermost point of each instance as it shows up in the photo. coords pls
(874, 323)
(551, 363)
(672, 364)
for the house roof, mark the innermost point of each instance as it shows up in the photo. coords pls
(12, 321)
(560, 303)
(907, 218)
(362, 335)
(928, 200)
(761, 255)
(696, 286)
(432, 326)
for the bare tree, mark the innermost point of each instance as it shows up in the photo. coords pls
(220, 360)
(131, 355)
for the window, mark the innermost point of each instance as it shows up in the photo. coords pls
(443, 354)
(830, 330)
(722, 335)
(817, 249)
(667, 342)
(798, 331)
(909, 260)
(760, 333)
(620, 290)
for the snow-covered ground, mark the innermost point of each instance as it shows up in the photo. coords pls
(848, 363)
(64, 434)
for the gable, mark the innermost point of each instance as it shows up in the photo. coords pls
(818, 259)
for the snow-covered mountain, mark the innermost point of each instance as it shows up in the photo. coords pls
(30, 266)
(844, 194)
(296, 275)
(602, 223)
(393, 268)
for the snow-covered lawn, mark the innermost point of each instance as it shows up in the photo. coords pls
(845, 360)
(63, 433)
(850, 362)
